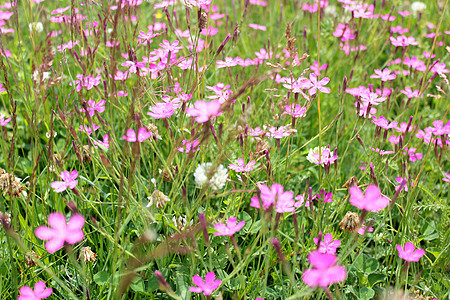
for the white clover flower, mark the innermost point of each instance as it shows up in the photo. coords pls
(49, 133)
(418, 6)
(38, 27)
(218, 179)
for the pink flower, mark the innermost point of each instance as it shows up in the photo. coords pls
(295, 110)
(133, 66)
(409, 253)
(372, 201)
(162, 110)
(230, 228)
(209, 31)
(104, 144)
(39, 292)
(318, 85)
(255, 132)
(142, 135)
(4, 121)
(298, 85)
(324, 271)
(257, 27)
(384, 75)
(69, 181)
(87, 129)
(446, 177)
(206, 287)
(439, 128)
(327, 197)
(94, 106)
(204, 111)
(2, 89)
(189, 146)
(410, 93)
(60, 231)
(241, 167)
(317, 68)
(364, 229)
(327, 245)
(284, 200)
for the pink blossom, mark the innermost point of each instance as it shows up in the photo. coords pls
(255, 132)
(68, 45)
(384, 75)
(402, 180)
(142, 135)
(240, 166)
(258, 2)
(210, 31)
(410, 93)
(372, 98)
(403, 41)
(402, 128)
(395, 139)
(4, 121)
(230, 228)
(133, 66)
(415, 63)
(228, 62)
(318, 85)
(69, 181)
(87, 129)
(276, 193)
(439, 128)
(94, 106)
(298, 85)
(280, 132)
(446, 177)
(409, 252)
(324, 271)
(204, 111)
(317, 68)
(60, 231)
(364, 229)
(39, 292)
(162, 110)
(399, 29)
(257, 27)
(189, 146)
(439, 68)
(60, 10)
(404, 13)
(371, 201)
(382, 152)
(103, 144)
(327, 245)
(206, 287)
(295, 110)
(344, 32)
(327, 197)
(413, 156)
(383, 122)
(168, 47)
(364, 110)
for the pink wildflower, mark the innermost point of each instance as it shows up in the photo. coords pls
(372, 201)
(364, 229)
(230, 228)
(317, 68)
(318, 85)
(39, 292)
(240, 167)
(384, 75)
(87, 129)
(162, 110)
(189, 146)
(69, 181)
(4, 121)
(324, 271)
(271, 195)
(410, 93)
(206, 287)
(94, 106)
(255, 132)
(60, 231)
(446, 177)
(142, 135)
(409, 252)
(327, 197)
(204, 111)
(295, 110)
(133, 66)
(327, 245)
(258, 27)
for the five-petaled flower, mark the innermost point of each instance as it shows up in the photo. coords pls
(372, 201)
(39, 292)
(204, 111)
(69, 181)
(206, 287)
(240, 167)
(60, 231)
(327, 245)
(275, 194)
(409, 252)
(230, 228)
(324, 271)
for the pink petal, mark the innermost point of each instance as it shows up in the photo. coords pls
(26, 291)
(198, 281)
(59, 186)
(76, 222)
(209, 278)
(312, 277)
(73, 237)
(334, 274)
(195, 289)
(57, 221)
(321, 260)
(44, 233)
(54, 245)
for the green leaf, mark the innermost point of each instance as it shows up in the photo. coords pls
(434, 250)
(101, 277)
(376, 278)
(366, 264)
(256, 227)
(244, 216)
(138, 286)
(366, 293)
